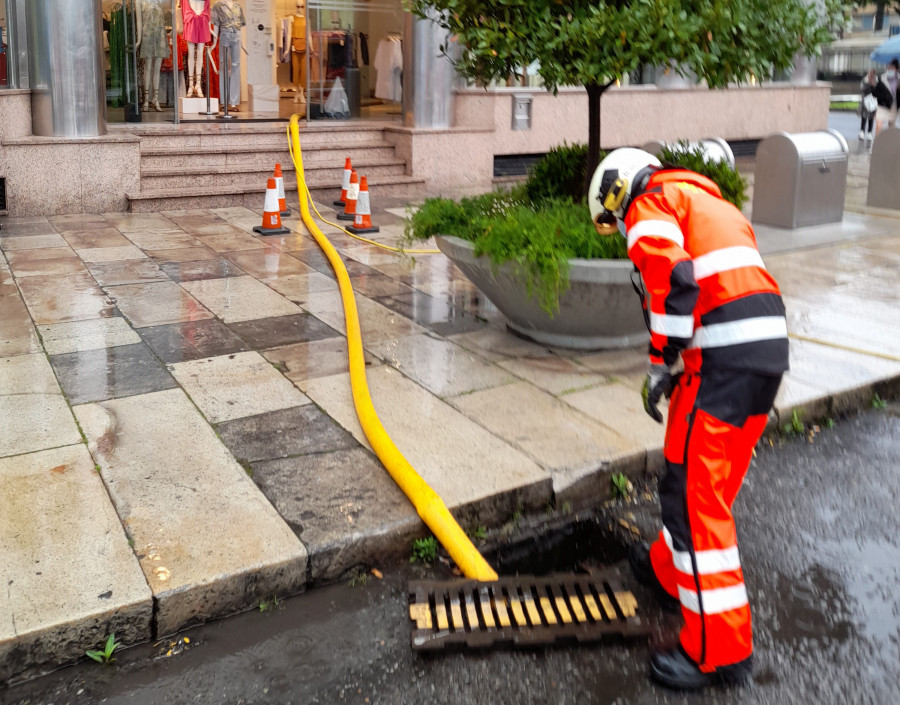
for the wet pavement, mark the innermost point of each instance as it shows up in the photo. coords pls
(203, 370)
(817, 524)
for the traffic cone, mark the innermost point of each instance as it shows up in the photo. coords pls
(348, 169)
(271, 224)
(352, 194)
(363, 221)
(279, 181)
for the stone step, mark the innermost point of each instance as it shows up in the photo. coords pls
(179, 157)
(203, 136)
(155, 179)
(252, 197)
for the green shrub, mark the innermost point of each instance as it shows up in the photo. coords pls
(559, 175)
(506, 227)
(729, 181)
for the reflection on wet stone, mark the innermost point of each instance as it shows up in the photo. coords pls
(203, 269)
(264, 333)
(813, 606)
(280, 434)
(180, 342)
(109, 373)
(435, 314)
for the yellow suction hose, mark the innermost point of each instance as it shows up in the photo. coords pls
(428, 504)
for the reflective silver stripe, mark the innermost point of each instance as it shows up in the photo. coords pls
(714, 601)
(748, 330)
(673, 326)
(726, 259)
(655, 228)
(708, 562)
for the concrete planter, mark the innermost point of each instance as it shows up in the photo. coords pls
(600, 309)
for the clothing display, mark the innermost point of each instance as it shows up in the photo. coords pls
(389, 66)
(298, 51)
(196, 26)
(713, 303)
(225, 17)
(230, 40)
(154, 41)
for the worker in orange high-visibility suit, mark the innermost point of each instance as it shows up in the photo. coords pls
(710, 301)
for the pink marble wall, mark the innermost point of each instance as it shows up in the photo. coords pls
(15, 114)
(50, 176)
(460, 160)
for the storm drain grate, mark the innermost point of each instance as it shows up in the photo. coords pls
(522, 611)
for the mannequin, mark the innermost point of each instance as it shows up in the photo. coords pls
(227, 18)
(153, 46)
(298, 52)
(196, 33)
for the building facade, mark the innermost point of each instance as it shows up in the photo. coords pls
(105, 90)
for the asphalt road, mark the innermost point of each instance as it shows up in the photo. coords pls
(821, 551)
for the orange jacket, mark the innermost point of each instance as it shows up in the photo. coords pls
(711, 298)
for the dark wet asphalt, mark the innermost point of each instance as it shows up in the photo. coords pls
(820, 545)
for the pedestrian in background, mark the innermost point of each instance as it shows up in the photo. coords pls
(886, 93)
(868, 106)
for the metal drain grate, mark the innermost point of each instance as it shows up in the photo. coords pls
(523, 611)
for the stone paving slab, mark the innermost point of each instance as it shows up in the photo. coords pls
(207, 540)
(468, 466)
(69, 576)
(494, 422)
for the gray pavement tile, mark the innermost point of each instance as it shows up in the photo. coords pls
(62, 338)
(279, 434)
(181, 342)
(344, 507)
(81, 239)
(378, 284)
(157, 303)
(35, 422)
(108, 373)
(71, 297)
(208, 541)
(69, 577)
(17, 334)
(435, 314)
(302, 362)
(132, 271)
(264, 333)
(202, 269)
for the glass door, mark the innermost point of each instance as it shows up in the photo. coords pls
(355, 59)
(144, 76)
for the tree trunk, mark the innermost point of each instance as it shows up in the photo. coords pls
(595, 92)
(879, 15)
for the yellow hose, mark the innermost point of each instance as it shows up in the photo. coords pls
(428, 504)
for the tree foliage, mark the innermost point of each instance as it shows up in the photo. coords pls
(582, 42)
(595, 42)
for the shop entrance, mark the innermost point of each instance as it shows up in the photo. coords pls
(324, 59)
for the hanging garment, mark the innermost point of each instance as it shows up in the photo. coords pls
(713, 302)
(364, 48)
(225, 17)
(389, 67)
(285, 55)
(154, 41)
(196, 26)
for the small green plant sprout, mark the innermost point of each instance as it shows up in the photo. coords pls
(269, 605)
(878, 402)
(621, 485)
(828, 422)
(796, 426)
(359, 578)
(476, 534)
(424, 550)
(106, 654)
(566, 508)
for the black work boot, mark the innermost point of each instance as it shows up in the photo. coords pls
(675, 669)
(642, 569)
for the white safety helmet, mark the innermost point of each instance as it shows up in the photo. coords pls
(622, 175)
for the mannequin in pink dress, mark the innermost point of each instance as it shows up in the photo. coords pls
(196, 33)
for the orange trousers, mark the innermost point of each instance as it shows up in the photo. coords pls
(715, 419)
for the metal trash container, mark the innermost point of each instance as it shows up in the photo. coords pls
(884, 171)
(715, 148)
(800, 179)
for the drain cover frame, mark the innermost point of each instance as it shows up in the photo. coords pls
(523, 611)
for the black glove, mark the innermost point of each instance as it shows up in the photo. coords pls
(658, 383)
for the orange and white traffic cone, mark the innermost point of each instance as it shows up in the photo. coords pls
(271, 224)
(279, 182)
(363, 221)
(352, 194)
(345, 184)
